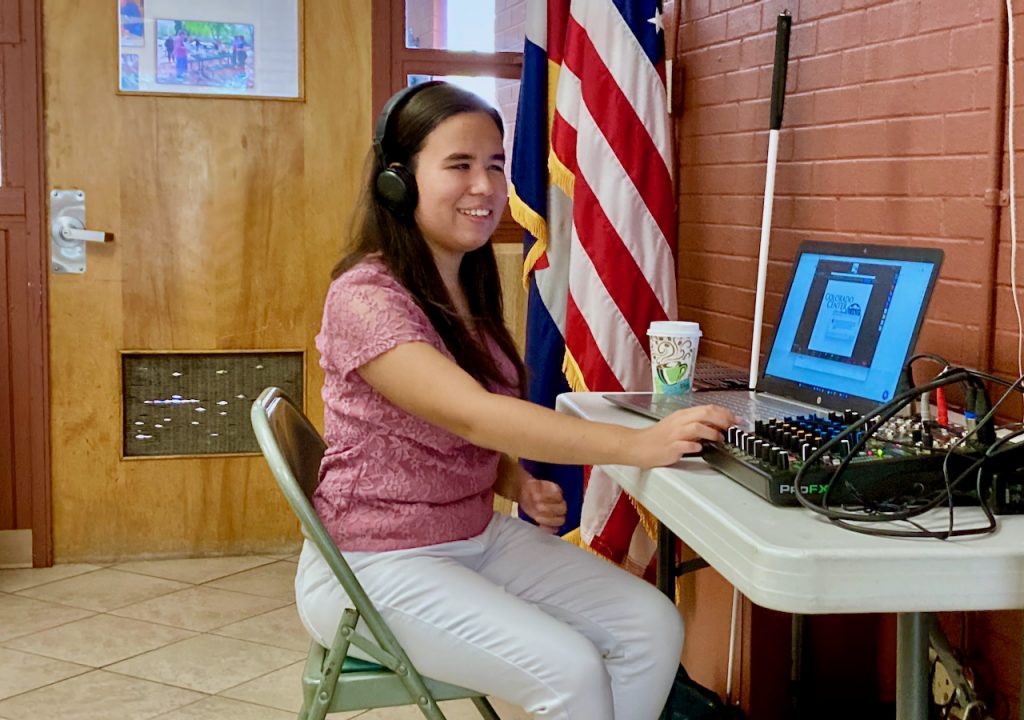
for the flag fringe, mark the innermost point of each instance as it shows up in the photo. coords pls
(647, 519)
(533, 223)
(530, 220)
(560, 175)
(573, 374)
(539, 248)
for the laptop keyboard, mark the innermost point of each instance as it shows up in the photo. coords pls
(745, 405)
(760, 406)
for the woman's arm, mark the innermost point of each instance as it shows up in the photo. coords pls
(422, 381)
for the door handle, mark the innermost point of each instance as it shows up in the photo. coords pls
(68, 232)
(71, 230)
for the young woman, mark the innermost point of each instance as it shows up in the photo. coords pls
(424, 422)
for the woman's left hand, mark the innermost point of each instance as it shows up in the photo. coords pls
(543, 501)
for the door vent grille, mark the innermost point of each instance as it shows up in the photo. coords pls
(186, 404)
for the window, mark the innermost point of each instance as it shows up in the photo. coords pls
(476, 44)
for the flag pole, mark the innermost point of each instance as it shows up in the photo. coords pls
(778, 96)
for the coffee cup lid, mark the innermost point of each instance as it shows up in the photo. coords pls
(673, 328)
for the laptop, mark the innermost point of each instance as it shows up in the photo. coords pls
(849, 321)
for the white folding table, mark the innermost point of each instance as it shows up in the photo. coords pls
(795, 561)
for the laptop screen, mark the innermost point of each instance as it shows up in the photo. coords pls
(849, 321)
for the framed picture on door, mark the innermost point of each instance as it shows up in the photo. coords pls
(218, 48)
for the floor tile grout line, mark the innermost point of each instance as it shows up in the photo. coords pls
(183, 707)
(270, 561)
(52, 582)
(193, 634)
(155, 682)
(214, 694)
(203, 631)
(219, 697)
(259, 677)
(3, 643)
(47, 657)
(85, 669)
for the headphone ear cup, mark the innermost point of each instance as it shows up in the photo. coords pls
(397, 187)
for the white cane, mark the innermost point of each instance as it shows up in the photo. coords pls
(778, 96)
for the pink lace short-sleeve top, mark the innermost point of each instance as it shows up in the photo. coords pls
(390, 480)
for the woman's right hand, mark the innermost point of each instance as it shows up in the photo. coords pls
(679, 434)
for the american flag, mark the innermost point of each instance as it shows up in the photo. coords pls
(600, 249)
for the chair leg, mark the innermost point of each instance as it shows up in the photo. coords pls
(317, 711)
(485, 708)
(431, 711)
(332, 668)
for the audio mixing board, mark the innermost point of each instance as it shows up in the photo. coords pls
(904, 459)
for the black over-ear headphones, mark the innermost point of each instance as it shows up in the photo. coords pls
(395, 182)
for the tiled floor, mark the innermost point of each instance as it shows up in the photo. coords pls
(203, 639)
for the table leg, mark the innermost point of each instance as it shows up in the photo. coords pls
(666, 574)
(912, 666)
(666, 567)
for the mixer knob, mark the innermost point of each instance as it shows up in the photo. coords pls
(759, 427)
(783, 461)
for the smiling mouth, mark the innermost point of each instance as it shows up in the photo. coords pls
(480, 213)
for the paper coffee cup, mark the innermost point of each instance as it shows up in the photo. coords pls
(673, 355)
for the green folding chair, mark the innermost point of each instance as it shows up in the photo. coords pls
(332, 681)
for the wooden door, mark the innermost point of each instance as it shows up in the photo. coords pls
(24, 470)
(227, 216)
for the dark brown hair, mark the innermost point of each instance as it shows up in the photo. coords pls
(403, 249)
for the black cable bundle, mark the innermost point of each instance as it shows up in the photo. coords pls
(990, 454)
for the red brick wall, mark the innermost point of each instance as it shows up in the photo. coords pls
(886, 139)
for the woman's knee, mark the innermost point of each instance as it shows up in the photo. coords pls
(663, 624)
(578, 686)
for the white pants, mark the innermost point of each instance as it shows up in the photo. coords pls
(517, 614)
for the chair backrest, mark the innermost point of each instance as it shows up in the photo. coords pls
(293, 448)
(299, 442)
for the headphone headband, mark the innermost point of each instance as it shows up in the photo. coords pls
(392, 107)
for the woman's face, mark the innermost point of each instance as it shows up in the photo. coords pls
(460, 175)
